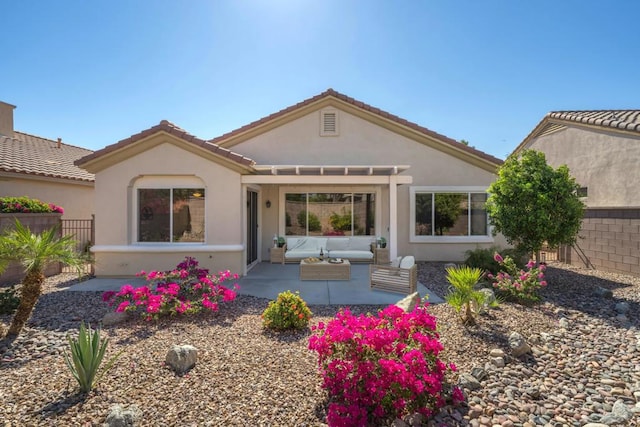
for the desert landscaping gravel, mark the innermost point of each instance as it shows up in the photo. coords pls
(583, 367)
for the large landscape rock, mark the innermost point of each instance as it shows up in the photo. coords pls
(409, 302)
(518, 345)
(182, 357)
(119, 416)
(113, 318)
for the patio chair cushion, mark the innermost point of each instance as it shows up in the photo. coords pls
(407, 262)
(396, 262)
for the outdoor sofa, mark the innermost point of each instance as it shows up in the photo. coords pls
(353, 248)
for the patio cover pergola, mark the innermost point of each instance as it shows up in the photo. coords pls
(383, 175)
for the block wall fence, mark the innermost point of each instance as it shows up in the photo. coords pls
(609, 240)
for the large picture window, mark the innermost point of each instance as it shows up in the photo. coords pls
(171, 214)
(330, 214)
(448, 214)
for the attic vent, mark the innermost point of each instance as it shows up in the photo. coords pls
(328, 123)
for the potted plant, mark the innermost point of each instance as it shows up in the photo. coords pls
(382, 242)
(281, 241)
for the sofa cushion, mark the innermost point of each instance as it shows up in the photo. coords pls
(364, 255)
(304, 244)
(338, 243)
(301, 253)
(360, 243)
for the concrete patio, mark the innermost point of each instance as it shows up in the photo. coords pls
(268, 280)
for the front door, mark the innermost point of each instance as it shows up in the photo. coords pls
(252, 227)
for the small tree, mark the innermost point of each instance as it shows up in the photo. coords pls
(531, 203)
(34, 252)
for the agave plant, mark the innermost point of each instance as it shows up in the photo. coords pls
(87, 352)
(463, 293)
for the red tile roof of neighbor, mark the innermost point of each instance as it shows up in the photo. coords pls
(172, 129)
(363, 106)
(34, 155)
(614, 120)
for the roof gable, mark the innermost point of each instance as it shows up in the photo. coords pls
(332, 98)
(620, 121)
(33, 155)
(114, 153)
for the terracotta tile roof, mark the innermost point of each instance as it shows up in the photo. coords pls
(33, 155)
(363, 106)
(617, 119)
(172, 129)
(614, 120)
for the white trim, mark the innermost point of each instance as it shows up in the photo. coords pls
(324, 179)
(326, 189)
(393, 217)
(165, 248)
(413, 238)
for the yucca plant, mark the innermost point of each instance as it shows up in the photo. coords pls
(463, 293)
(87, 352)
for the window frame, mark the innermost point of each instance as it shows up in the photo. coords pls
(165, 183)
(413, 238)
(326, 189)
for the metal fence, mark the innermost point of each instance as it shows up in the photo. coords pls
(83, 232)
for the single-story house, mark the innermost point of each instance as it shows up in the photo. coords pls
(602, 150)
(327, 166)
(43, 169)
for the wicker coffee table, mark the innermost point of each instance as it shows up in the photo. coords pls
(325, 270)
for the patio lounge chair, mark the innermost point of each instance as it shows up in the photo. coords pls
(400, 276)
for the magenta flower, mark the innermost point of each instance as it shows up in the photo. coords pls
(123, 305)
(498, 258)
(530, 264)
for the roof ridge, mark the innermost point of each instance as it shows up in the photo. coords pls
(172, 129)
(364, 106)
(49, 140)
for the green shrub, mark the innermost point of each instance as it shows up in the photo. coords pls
(340, 222)
(483, 259)
(463, 293)
(9, 300)
(87, 352)
(289, 311)
(314, 222)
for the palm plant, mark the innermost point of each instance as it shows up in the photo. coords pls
(34, 252)
(463, 293)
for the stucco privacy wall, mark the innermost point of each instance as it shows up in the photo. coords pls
(76, 199)
(115, 212)
(605, 162)
(37, 223)
(610, 240)
(361, 142)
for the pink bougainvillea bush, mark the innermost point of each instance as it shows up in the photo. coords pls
(187, 289)
(521, 285)
(381, 367)
(27, 205)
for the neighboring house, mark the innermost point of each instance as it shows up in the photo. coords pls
(329, 165)
(43, 169)
(602, 150)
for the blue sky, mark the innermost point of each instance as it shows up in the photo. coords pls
(96, 72)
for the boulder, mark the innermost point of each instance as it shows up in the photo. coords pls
(119, 416)
(113, 318)
(469, 382)
(622, 307)
(182, 357)
(498, 362)
(409, 302)
(496, 352)
(479, 373)
(518, 345)
(564, 323)
(603, 293)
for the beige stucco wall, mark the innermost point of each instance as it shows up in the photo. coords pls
(607, 163)
(76, 199)
(118, 253)
(361, 142)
